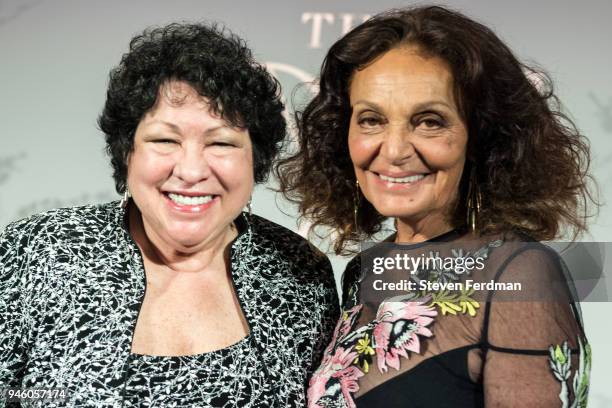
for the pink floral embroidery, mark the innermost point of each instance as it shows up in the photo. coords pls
(395, 332)
(339, 369)
(398, 325)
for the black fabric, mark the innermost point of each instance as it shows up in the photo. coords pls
(441, 381)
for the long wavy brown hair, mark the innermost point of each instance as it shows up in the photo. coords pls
(530, 161)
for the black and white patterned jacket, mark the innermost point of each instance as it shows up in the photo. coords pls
(72, 282)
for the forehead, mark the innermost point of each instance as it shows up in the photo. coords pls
(175, 94)
(403, 73)
(179, 100)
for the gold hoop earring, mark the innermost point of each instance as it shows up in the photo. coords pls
(356, 202)
(474, 201)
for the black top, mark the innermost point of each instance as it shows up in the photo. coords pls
(230, 377)
(486, 321)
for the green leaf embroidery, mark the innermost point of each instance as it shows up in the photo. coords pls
(449, 302)
(559, 356)
(561, 365)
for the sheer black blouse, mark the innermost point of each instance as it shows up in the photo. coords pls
(504, 333)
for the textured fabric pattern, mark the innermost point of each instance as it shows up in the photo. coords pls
(231, 377)
(72, 282)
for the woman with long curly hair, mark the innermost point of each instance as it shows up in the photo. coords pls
(426, 117)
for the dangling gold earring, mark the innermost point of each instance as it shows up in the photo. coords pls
(356, 202)
(474, 201)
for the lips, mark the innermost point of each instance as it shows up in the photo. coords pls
(190, 202)
(403, 180)
(400, 182)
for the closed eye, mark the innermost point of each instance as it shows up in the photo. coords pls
(165, 141)
(223, 144)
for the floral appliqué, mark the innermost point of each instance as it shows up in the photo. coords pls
(392, 334)
(395, 332)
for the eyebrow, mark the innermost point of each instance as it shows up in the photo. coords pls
(171, 125)
(418, 107)
(175, 128)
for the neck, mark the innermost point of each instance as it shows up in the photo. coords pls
(212, 255)
(420, 230)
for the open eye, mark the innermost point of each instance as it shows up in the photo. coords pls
(429, 122)
(369, 121)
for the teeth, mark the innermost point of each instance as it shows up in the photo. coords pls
(409, 179)
(184, 200)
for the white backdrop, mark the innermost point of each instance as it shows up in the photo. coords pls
(55, 56)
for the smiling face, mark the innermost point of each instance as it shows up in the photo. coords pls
(190, 173)
(407, 139)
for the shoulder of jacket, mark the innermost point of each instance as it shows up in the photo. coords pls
(305, 261)
(60, 223)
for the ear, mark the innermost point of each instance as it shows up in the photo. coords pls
(126, 162)
(128, 156)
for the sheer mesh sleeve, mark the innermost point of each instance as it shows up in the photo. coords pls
(12, 316)
(536, 351)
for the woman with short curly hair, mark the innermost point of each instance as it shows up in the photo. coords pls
(173, 296)
(426, 117)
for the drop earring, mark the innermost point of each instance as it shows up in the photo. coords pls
(248, 206)
(474, 201)
(126, 198)
(356, 203)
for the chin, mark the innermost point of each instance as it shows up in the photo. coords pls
(187, 235)
(186, 241)
(398, 208)
(403, 214)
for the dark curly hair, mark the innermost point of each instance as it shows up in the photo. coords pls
(217, 64)
(530, 161)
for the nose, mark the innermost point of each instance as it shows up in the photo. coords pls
(192, 164)
(397, 146)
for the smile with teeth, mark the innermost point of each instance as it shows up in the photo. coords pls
(402, 180)
(187, 200)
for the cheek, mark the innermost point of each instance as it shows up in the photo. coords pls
(234, 170)
(442, 155)
(361, 149)
(447, 159)
(148, 167)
